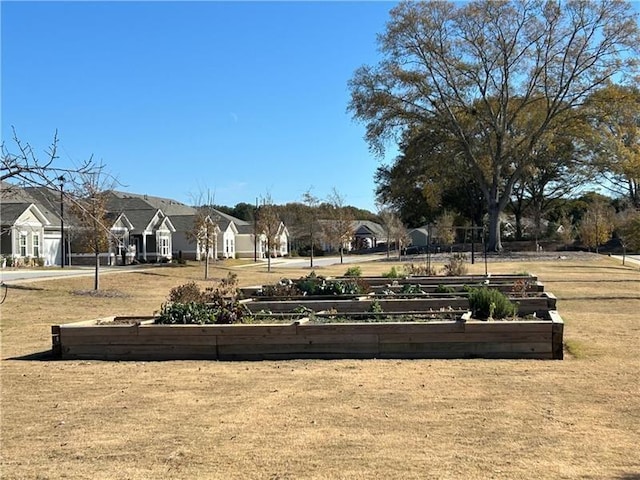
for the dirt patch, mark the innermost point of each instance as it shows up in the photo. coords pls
(101, 293)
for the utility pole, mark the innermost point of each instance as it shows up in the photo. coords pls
(62, 249)
(255, 233)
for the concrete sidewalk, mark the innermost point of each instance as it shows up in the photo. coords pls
(631, 260)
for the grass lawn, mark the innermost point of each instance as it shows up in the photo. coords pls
(441, 419)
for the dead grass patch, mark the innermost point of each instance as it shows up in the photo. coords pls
(418, 419)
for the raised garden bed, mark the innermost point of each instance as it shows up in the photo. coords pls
(143, 340)
(339, 327)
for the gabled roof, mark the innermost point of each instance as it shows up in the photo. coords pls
(10, 213)
(183, 223)
(168, 206)
(364, 227)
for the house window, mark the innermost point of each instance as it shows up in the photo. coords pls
(23, 244)
(164, 246)
(36, 245)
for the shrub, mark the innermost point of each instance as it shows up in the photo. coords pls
(411, 289)
(353, 272)
(186, 313)
(189, 305)
(444, 289)
(457, 265)
(393, 273)
(419, 270)
(187, 293)
(487, 303)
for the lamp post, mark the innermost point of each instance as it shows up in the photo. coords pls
(62, 249)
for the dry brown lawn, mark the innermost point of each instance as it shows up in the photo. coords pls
(441, 419)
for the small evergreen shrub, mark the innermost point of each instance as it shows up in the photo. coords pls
(487, 303)
(393, 273)
(444, 289)
(409, 289)
(353, 272)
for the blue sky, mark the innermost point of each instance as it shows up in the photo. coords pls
(177, 98)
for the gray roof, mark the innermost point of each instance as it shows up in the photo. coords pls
(182, 223)
(361, 226)
(168, 206)
(10, 212)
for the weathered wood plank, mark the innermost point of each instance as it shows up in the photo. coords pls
(140, 352)
(478, 337)
(142, 340)
(380, 328)
(72, 330)
(261, 329)
(297, 339)
(293, 349)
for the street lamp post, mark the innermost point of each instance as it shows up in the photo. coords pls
(62, 248)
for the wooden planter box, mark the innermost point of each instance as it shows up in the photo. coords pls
(540, 339)
(540, 304)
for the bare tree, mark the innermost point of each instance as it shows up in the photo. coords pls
(269, 225)
(24, 167)
(312, 202)
(338, 228)
(89, 206)
(494, 76)
(205, 229)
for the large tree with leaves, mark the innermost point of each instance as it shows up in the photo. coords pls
(614, 114)
(496, 75)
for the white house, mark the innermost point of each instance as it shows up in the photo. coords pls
(22, 234)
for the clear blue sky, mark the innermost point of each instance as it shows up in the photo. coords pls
(176, 98)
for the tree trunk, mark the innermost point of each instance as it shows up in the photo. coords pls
(495, 243)
(518, 215)
(96, 277)
(341, 255)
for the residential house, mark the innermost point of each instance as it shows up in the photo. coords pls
(419, 236)
(22, 233)
(47, 202)
(139, 227)
(367, 234)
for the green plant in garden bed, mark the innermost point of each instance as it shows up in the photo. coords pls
(353, 272)
(444, 289)
(188, 304)
(411, 289)
(487, 303)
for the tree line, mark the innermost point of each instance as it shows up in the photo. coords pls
(502, 106)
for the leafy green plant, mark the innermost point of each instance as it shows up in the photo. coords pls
(411, 289)
(457, 265)
(186, 313)
(376, 307)
(393, 273)
(189, 305)
(353, 272)
(488, 303)
(444, 289)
